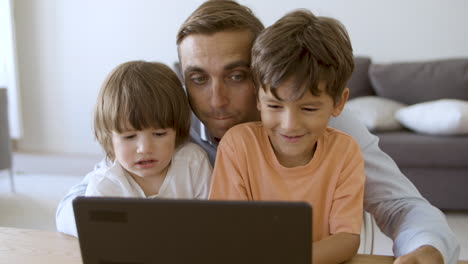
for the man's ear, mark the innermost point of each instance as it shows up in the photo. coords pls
(339, 105)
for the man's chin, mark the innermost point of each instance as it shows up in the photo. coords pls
(218, 127)
(219, 131)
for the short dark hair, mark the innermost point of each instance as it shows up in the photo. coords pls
(219, 15)
(306, 48)
(143, 95)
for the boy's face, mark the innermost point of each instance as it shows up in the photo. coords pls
(216, 70)
(144, 153)
(294, 126)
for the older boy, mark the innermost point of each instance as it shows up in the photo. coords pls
(301, 65)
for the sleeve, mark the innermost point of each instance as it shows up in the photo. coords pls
(398, 208)
(64, 216)
(227, 182)
(347, 207)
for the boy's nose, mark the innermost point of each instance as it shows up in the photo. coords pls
(219, 97)
(290, 121)
(145, 145)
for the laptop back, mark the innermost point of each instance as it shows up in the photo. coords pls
(138, 231)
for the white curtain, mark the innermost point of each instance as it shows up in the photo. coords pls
(8, 67)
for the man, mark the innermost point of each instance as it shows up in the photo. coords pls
(214, 50)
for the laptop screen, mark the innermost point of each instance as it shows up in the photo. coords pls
(138, 230)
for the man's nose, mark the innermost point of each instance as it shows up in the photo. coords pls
(145, 145)
(219, 95)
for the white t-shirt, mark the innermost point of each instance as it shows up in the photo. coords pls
(188, 177)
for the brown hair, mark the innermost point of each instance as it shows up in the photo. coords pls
(219, 15)
(307, 48)
(143, 95)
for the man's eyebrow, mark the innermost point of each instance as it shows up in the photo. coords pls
(236, 64)
(192, 69)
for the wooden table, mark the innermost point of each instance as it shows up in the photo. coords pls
(25, 246)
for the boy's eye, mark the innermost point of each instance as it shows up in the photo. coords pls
(273, 106)
(129, 136)
(309, 109)
(160, 134)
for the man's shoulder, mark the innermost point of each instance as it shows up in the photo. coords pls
(339, 139)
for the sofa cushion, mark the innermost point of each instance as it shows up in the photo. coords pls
(417, 82)
(440, 117)
(376, 113)
(409, 149)
(359, 84)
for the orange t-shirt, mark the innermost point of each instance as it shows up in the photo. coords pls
(332, 182)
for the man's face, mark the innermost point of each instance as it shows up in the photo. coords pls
(216, 70)
(294, 126)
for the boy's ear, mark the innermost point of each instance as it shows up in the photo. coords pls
(259, 106)
(339, 105)
(257, 94)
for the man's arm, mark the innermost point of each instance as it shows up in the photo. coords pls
(398, 208)
(64, 217)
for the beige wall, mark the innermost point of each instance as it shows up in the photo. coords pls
(65, 49)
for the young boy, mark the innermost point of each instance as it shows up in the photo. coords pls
(300, 66)
(142, 121)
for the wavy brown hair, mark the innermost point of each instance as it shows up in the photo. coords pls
(219, 15)
(306, 48)
(142, 95)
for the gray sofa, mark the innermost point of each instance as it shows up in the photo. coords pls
(437, 165)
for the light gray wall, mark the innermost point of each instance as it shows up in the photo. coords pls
(65, 49)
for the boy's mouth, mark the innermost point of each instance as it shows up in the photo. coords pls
(146, 163)
(290, 138)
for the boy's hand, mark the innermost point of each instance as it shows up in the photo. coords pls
(424, 254)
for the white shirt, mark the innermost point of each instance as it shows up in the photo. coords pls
(188, 177)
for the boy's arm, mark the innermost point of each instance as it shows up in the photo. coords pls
(336, 248)
(400, 211)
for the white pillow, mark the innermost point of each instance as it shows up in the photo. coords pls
(377, 113)
(440, 117)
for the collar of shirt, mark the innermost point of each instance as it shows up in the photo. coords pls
(203, 131)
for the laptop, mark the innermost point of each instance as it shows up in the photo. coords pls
(138, 231)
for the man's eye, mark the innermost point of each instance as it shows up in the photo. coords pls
(199, 79)
(237, 77)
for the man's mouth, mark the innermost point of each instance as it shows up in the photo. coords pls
(221, 117)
